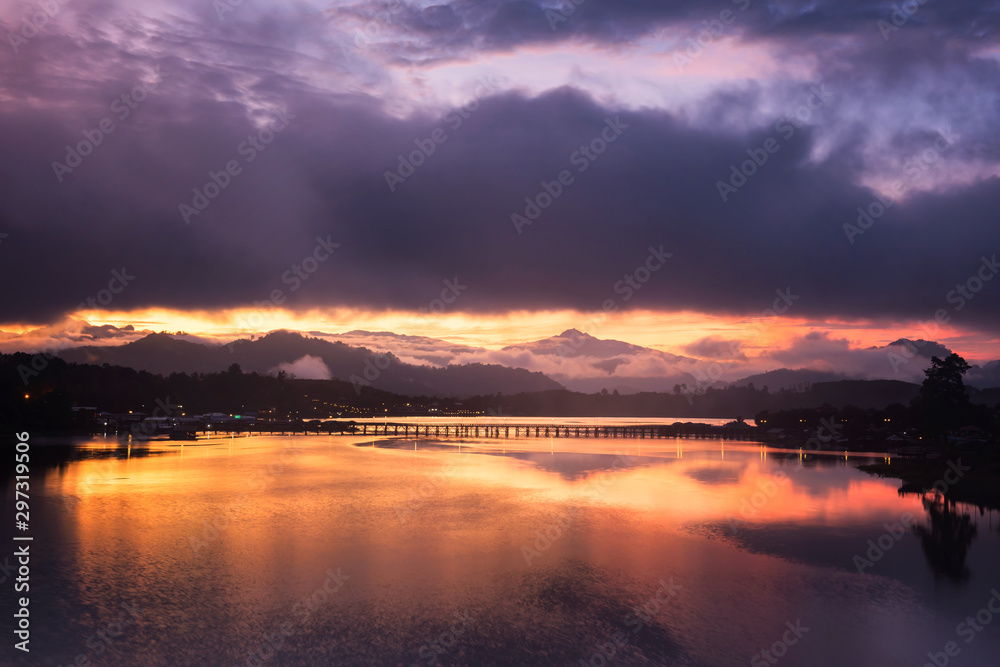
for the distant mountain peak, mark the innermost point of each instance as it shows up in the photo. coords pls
(922, 348)
(157, 335)
(282, 333)
(163, 353)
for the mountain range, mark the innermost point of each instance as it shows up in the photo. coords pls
(312, 358)
(416, 365)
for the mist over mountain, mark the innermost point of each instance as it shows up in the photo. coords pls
(414, 365)
(577, 360)
(587, 364)
(419, 350)
(320, 359)
(584, 363)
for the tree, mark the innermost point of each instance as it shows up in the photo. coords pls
(943, 403)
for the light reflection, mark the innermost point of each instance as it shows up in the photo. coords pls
(273, 518)
(636, 485)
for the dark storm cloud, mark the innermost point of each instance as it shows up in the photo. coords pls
(499, 24)
(777, 241)
(324, 176)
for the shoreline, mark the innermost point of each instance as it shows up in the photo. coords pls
(977, 472)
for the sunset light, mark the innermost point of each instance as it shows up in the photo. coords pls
(500, 332)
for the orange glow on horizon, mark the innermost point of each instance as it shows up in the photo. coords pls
(662, 330)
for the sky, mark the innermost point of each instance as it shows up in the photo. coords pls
(778, 180)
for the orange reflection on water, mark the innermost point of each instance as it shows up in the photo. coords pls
(239, 530)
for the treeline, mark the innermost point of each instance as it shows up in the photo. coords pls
(858, 424)
(54, 386)
(729, 402)
(942, 407)
(44, 402)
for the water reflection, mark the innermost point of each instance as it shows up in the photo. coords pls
(947, 539)
(271, 516)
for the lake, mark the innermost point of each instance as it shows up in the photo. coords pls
(330, 550)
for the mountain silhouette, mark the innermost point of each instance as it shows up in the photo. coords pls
(164, 354)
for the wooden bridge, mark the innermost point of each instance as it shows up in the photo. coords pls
(501, 430)
(490, 430)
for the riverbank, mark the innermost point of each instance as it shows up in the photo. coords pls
(968, 476)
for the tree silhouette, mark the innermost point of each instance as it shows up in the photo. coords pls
(947, 539)
(943, 402)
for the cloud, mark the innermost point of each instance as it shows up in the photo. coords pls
(716, 347)
(820, 351)
(106, 331)
(306, 368)
(462, 26)
(324, 176)
(68, 333)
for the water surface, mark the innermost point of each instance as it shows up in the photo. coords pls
(341, 550)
